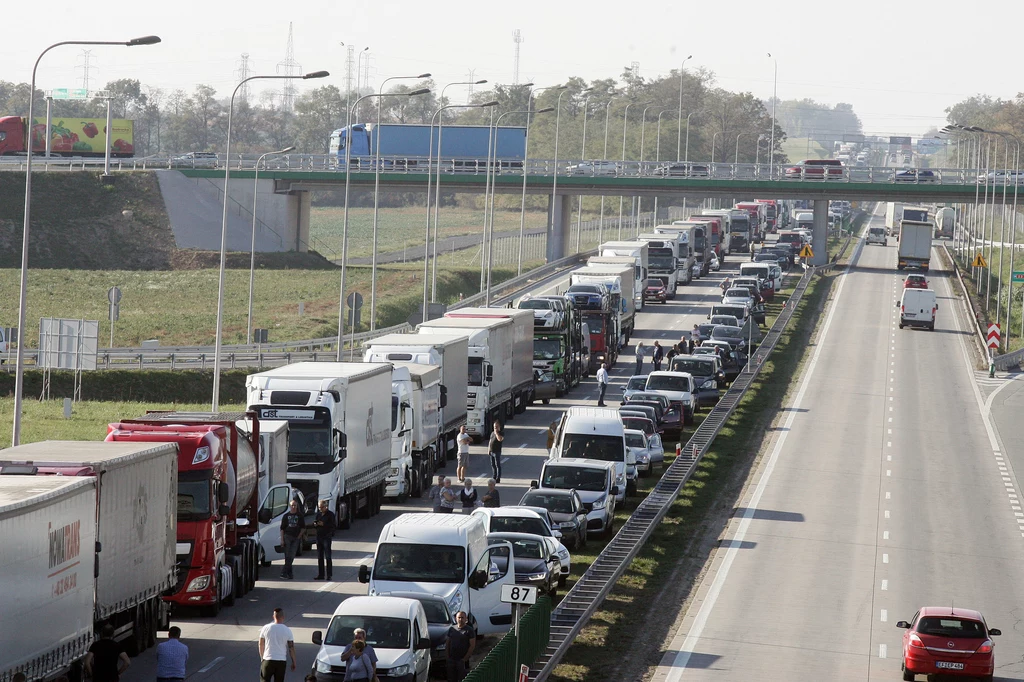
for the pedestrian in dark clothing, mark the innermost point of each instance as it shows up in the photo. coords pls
(459, 646)
(293, 526)
(468, 496)
(106, 660)
(659, 355)
(494, 450)
(435, 493)
(491, 496)
(672, 352)
(448, 497)
(326, 524)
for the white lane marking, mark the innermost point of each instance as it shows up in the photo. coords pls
(680, 651)
(884, 616)
(888, 458)
(890, 430)
(888, 496)
(888, 444)
(522, 447)
(886, 513)
(888, 472)
(209, 666)
(885, 585)
(883, 651)
(890, 420)
(504, 459)
(885, 558)
(325, 587)
(885, 535)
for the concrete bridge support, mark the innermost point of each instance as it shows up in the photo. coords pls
(559, 227)
(820, 238)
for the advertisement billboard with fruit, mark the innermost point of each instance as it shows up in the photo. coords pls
(84, 136)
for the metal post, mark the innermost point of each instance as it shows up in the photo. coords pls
(487, 187)
(49, 126)
(737, 159)
(252, 245)
(679, 123)
(583, 157)
(1002, 233)
(686, 156)
(522, 203)
(107, 138)
(775, 97)
(625, 119)
(600, 228)
(554, 173)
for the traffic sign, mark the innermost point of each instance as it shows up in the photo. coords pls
(355, 300)
(979, 261)
(114, 295)
(1018, 277)
(993, 335)
(518, 594)
(806, 252)
(69, 93)
(524, 673)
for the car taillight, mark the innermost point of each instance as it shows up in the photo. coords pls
(986, 647)
(902, 309)
(916, 642)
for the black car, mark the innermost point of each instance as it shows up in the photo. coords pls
(642, 411)
(565, 508)
(439, 621)
(531, 562)
(707, 375)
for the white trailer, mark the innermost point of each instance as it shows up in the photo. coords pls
(416, 389)
(893, 216)
(663, 255)
(339, 417)
(48, 532)
(638, 251)
(687, 256)
(617, 279)
(915, 244)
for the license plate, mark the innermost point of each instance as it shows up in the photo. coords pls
(949, 666)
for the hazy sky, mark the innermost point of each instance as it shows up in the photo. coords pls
(900, 62)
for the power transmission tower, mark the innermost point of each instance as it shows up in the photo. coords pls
(634, 67)
(517, 38)
(241, 74)
(366, 71)
(350, 60)
(288, 67)
(471, 79)
(86, 66)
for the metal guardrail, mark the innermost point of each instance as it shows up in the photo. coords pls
(979, 334)
(581, 602)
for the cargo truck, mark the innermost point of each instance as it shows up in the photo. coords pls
(450, 354)
(758, 218)
(464, 148)
(639, 252)
(687, 257)
(662, 255)
(699, 243)
(416, 399)
(627, 284)
(219, 478)
(599, 315)
(720, 241)
(914, 248)
(944, 220)
(127, 542)
(893, 216)
(68, 137)
(339, 419)
(771, 214)
(618, 280)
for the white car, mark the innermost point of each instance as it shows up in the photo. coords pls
(593, 168)
(737, 296)
(637, 442)
(716, 264)
(678, 387)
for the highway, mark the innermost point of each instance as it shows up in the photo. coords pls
(225, 649)
(885, 488)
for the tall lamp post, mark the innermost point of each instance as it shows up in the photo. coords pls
(686, 155)
(713, 138)
(19, 375)
(252, 246)
(637, 200)
(625, 120)
(554, 174)
(737, 159)
(657, 156)
(224, 228)
(344, 223)
(775, 97)
(604, 157)
(376, 196)
(583, 157)
(679, 125)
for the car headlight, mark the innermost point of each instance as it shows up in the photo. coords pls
(643, 457)
(620, 478)
(710, 383)
(600, 502)
(394, 471)
(537, 576)
(563, 553)
(322, 666)
(400, 670)
(198, 584)
(566, 524)
(455, 603)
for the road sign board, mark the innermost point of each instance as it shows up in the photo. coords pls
(524, 673)
(114, 294)
(1018, 277)
(806, 252)
(518, 594)
(993, 335)
(979, 261)
(69, 93)
(355, 300)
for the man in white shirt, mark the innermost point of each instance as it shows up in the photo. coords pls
(463, 441)
(602, 382)
(276, 645)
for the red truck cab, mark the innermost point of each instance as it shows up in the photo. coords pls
(217, 556)
(771, 214)
(12, 136)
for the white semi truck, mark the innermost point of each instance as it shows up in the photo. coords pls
(664, 254)
(638, 251)
(416, 403)
(618, 280)
(687, 255)
(339, 416)
(893, 216)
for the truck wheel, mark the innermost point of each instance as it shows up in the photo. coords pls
(232, 577)
(546, 401)
(154, 622)
(136, 644)
(213, 610)
(242, 579)
(344, 519)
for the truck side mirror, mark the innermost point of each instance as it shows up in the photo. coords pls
(364, 573)
(490, 372)
(444, 397)
(223, 510)
(342, 444)
(318, 637)
(534, 485)
(614, 491)
(223, 492)
(478, 579)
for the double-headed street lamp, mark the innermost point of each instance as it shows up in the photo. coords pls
(224, 228)
(679, 126)
(657, 155)
(625, 120)
(686, 154)
(775, 97)
(554, 174)
(252, 246)
(19, 375)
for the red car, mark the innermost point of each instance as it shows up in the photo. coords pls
(816, 169)
(655, 290)
(915, 282)
(941, 640)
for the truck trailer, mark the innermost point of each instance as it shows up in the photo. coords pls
(893, 216)
(464, 148)
(914, 249)
(68, 137)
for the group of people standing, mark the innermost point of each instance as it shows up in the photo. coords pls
(659, 354)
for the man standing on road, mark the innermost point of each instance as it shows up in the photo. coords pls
(461, 465)
(639, 357)
(293, 525)
(659, 354)
(435, 493)
(106, 660)
(752, 250)
(494, 450)
(171, 657)
(277, 645)
(325, 524)
(459, 646)
(602, 383)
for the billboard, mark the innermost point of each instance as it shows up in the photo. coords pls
(85, 136)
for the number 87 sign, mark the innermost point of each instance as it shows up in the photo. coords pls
(518, 594)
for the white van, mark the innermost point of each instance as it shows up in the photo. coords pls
(594, 482)
(594, 433)
(766, 271)
(876, 235)
(395, 627)
(447, 555)
(918, 308)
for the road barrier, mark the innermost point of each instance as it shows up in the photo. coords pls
(518, 647)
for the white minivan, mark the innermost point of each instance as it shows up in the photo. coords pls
(876, 235)
(447, 555)
(594, 433)
(918, 308)
(766, 271)
(395, 627)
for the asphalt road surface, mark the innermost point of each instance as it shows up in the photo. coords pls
(225, 648)
(885, 488)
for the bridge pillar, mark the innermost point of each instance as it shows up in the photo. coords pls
(820, 238)
(559, 224)
(302, 203)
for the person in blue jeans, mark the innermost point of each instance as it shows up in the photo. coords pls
(494, 450)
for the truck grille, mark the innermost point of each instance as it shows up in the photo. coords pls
(310, 491)
(470, 399)
(181, 565)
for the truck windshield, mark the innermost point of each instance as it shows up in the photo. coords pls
(593, 446)
(546, 349)
(476, 371)
(307, 444)
(662, 261)
(420, 563)
(741, 225)
(194, 495)
(574, 478)
(595, 323)
(381, 632)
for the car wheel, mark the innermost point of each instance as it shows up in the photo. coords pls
(581, 542)
(907, 675)
(901, 325)
(561, 581)
(546, 401)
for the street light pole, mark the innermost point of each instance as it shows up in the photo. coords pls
(679, 124)
(637, 201)
(554, 173)
(583, 157)
(713, 138)
(376, 196)
(604, 157)
(19, 372)
(657, 158)
(737, 159)
(686, 156)
(215, 403)
(625, 120)
(252, 246)
(775, 97)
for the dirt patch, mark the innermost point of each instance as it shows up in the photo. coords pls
(192, 259)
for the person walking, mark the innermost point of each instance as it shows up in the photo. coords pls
(360, 659)
(277, 645)
(659, 355)
(752, 250)
(293, 525)
(171, 657)
(468, 496)
(326, 524)
(458, 647)
(491, 496)
(494, 450)
(602, 383)
(435, 493)
(448, 497)
(106, 661)
(463, 441)
(639, 358)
